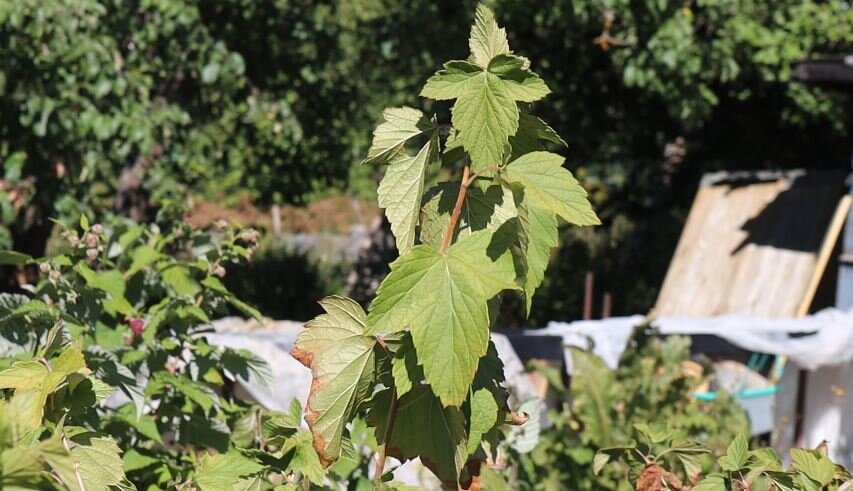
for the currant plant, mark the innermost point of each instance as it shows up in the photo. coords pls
(108, 379)
(419, 361)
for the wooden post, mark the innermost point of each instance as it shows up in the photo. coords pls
(606, 305)
(587, 296)
(842, 212)
(276, 220)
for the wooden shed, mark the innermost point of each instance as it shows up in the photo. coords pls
(757, 243)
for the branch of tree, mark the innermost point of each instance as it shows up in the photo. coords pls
(457, 208)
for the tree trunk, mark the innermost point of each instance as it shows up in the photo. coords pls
(131, 199)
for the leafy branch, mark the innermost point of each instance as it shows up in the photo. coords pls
(419, 361)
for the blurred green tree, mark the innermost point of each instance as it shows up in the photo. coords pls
(115, 105)
(650, 95)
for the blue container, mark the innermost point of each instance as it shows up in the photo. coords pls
(758, 404)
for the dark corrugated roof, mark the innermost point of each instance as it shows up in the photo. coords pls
(835, 72)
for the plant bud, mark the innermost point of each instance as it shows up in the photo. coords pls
(136, 325)
(97, 229)
(250, 235)
(219, 271)
(44, 268)
(73, 240)
(91, 254)
(55, 275)
(90, 239)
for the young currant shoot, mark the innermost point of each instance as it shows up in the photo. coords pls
(419, 361)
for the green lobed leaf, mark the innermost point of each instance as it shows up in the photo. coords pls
(486, 90)
(23, 375)
(277, 427)
(813, 464)
(522, 85)
(443, 298)
(247, 366)
(425, 429)
(193, 390)
(334, 346)
(784, 481)
(405, 369)
(531, 132)
(482, 210)
(33, 382)
(400, 125)
(452, 81)
(549, 186)
(654, 433)
(400, 191)
(142, 423)
(99, 463)
(19, 466)
(12, 257)
(737, 454)
(605, 455)
(487, 399)
(245, 308)
(71, 360)
(110, 281)
(484, 416)
(85, 461)
(713, 482)
(691, 463)
(765, 459)
(487, 39)
(254, 484)
(28, 408)
(543, 190)
(304, 459)
(179, 279)
(486, 115)
(143, 256)
(492, 480)
(538, 236)
(805, 483)
(220, 472)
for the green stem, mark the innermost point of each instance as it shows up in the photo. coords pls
(457, 208)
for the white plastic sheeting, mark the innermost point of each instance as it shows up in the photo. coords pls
(290, 379)
(825, 338)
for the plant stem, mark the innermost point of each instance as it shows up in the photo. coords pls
(457, 208)
(392, 415)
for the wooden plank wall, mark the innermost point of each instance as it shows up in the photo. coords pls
(750, 245)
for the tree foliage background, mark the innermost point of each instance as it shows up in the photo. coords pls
(115, 106)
